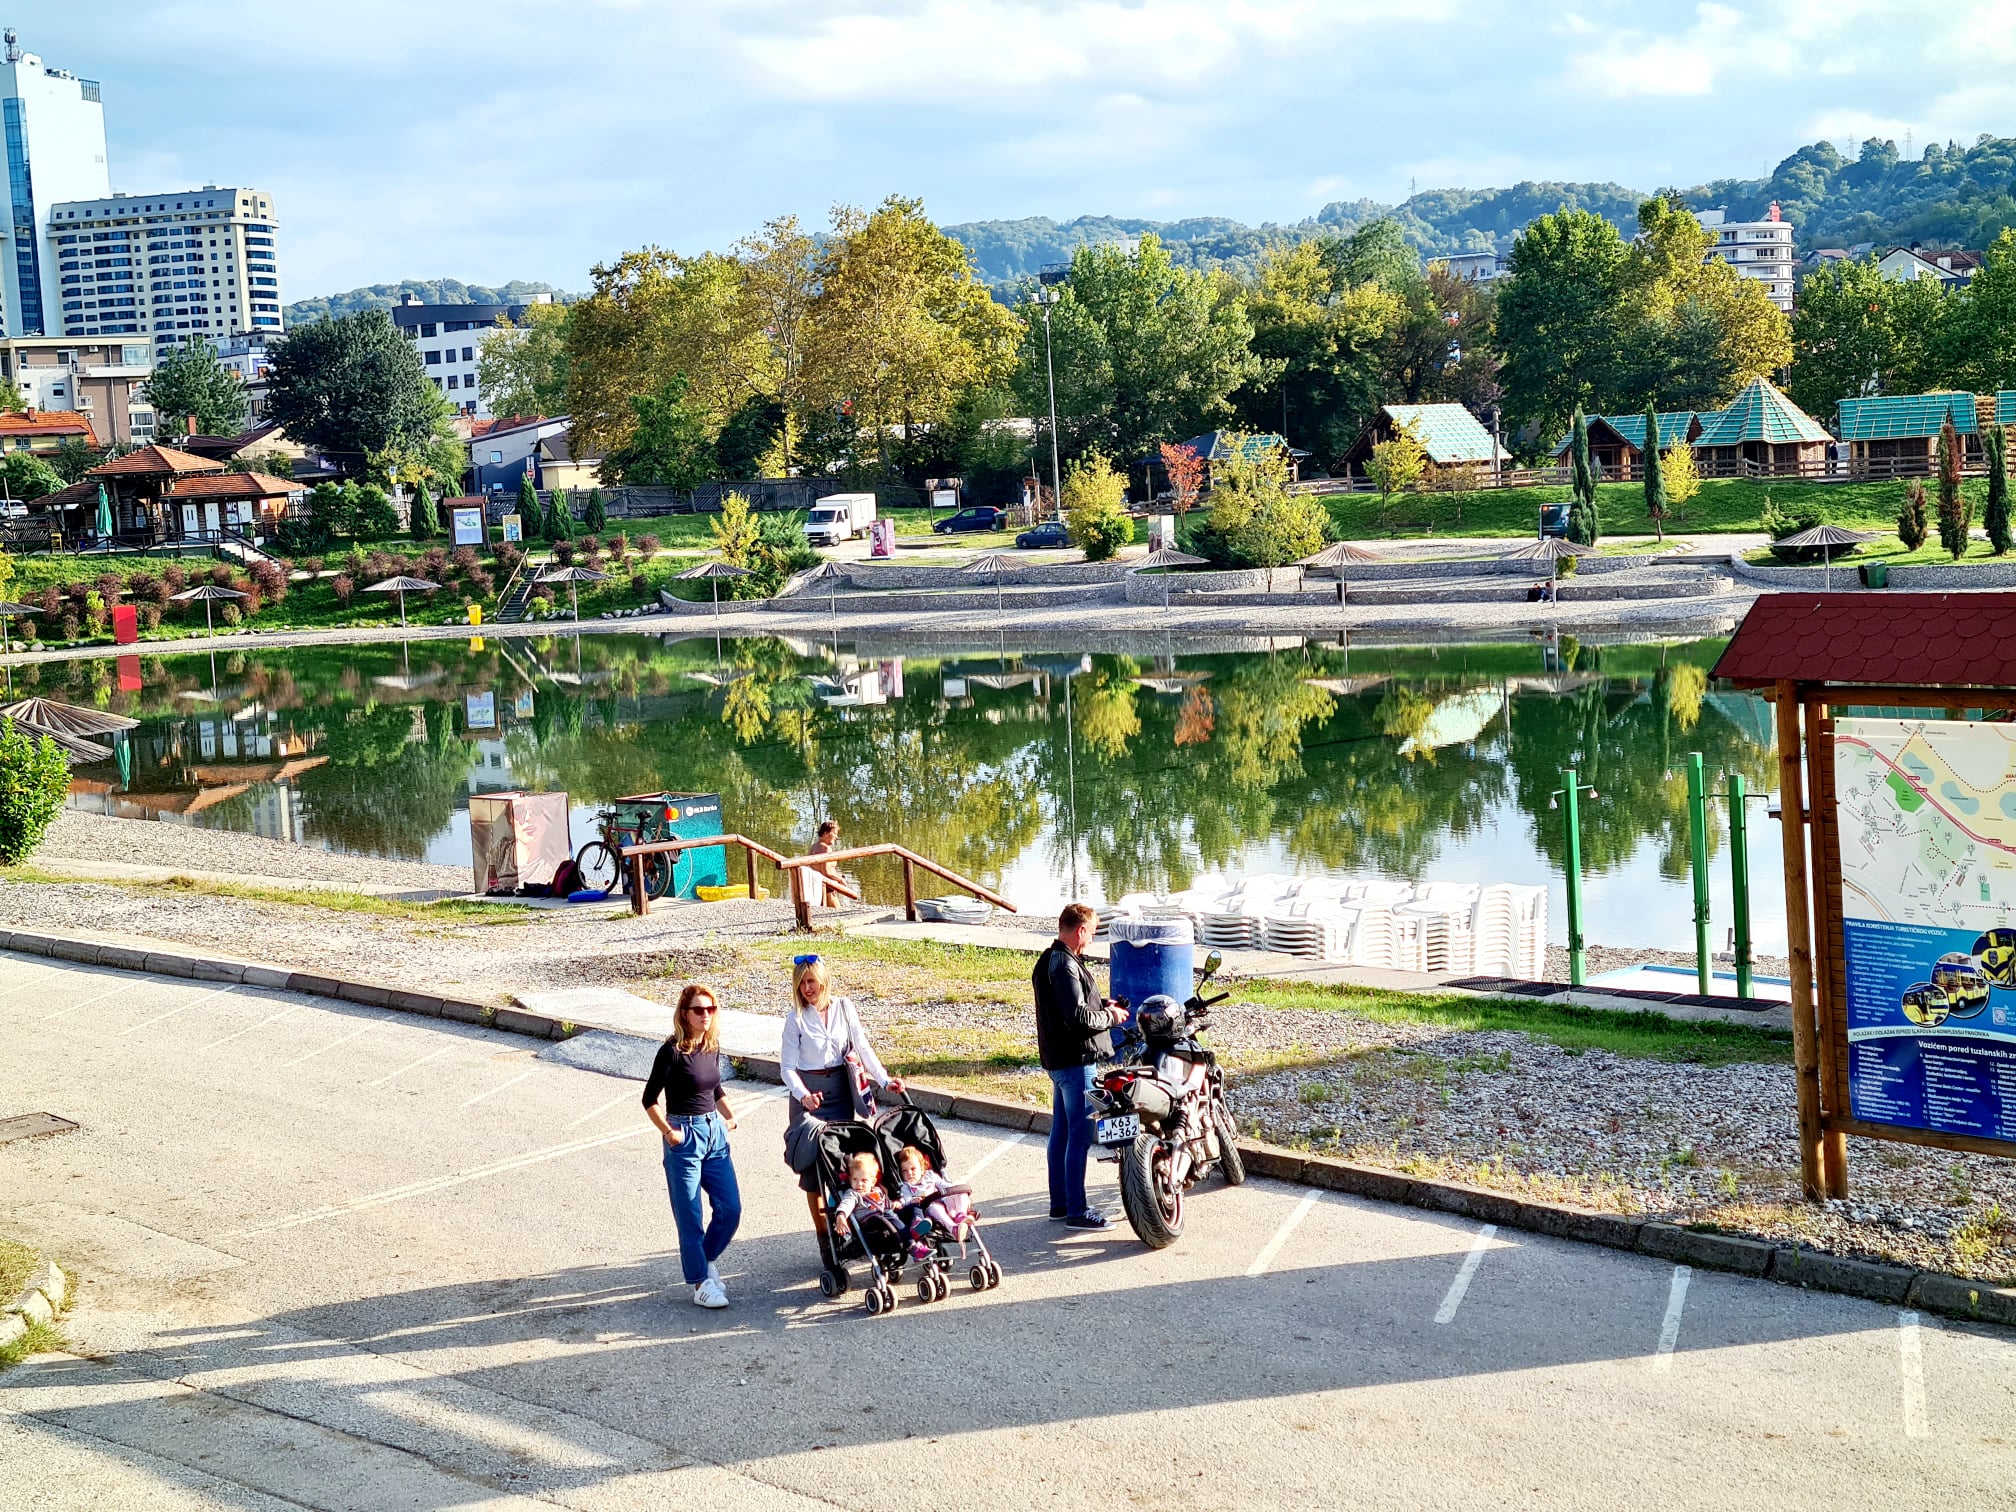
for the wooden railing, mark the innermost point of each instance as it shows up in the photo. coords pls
(633, 857)
(911, 861)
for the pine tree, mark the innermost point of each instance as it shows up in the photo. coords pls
(425, 520)
(1954, 514)
(1996, 443)
(598, 514)
(531, 522)
(1912, 523)
(1583, 525)
(561, 511)
(1655, 477)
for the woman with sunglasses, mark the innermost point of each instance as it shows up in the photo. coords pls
(821, 1033)
(694, 1126)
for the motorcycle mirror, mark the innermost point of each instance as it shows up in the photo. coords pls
(1213, 961)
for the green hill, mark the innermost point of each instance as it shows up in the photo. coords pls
(431, 291)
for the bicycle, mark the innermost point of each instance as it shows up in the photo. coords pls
(600, 862)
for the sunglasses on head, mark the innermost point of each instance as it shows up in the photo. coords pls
(805, 960)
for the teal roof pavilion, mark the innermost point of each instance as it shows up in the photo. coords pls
(1760, 413)
(1447, 432)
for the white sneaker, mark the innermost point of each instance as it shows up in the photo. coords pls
(709, 1293)
(714, 1272)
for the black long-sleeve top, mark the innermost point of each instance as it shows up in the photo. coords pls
(1068, 1015)
(689, 1081)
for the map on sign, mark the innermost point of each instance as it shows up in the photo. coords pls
(1926, 814)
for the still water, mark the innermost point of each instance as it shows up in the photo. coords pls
(1044, 776)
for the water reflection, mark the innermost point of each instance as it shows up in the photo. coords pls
(1049, 776)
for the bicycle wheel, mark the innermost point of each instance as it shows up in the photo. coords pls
(599, 867)
(657, 876)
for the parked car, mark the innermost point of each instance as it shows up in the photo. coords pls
(1047, 536)
(975, 517)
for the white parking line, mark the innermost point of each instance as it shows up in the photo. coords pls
(1669, 1330)
(617, 1101)
(1288, 1226)
(109, 992)
(410, 1066)
(342, 1039)
(24, 986)
(183, 1008)
(1911, 1357)
(1461, 1284)
(439, 1183)
(993, 1155)
(495, 1090)
(253, 1029)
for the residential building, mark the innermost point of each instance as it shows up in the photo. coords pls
(1450, 435)
(1914, 263)
(449, 339)
(1763, 428)
(193, 264)
(102, 380)
(560, 468)
(1477, 267)
(250, 355)
(42, 431)
(54, 124)
(1617, 442)
(503, 451)
(1756, 249)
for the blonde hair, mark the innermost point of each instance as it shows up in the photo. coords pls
(708, 1039)
(861, 1159)
(909, 1150)
(814, 972)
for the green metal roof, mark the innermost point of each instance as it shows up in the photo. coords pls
(1631, 428)
(1894, 417)
(1216, 446)
(1447, 432)
(2005, 407)
(1760, 413)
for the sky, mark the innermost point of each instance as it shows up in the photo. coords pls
(535, 138)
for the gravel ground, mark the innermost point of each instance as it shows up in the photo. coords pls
(77, 836)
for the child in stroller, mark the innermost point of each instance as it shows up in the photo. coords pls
(885, 1246)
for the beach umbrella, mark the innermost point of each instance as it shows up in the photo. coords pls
(8, 611)
(1165, 558)
(830, 574)
(403, 586)
(1826, 537)
(104, 515)
(49, 717)
(573, 577)
(75, 748)
(208, 593)
(714, 572)
(990, 562)
(1547, 549)
(1340, 554)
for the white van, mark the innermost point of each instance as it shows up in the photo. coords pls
(839, 517)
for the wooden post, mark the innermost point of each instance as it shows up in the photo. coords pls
(749, 855)
(640, 901)
(1805, 1032)
(909, 890)
(800, 909)
(1829, 980)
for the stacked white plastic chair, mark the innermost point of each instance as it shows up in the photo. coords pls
(1433, 931)
(1511, 932)
(955, 910)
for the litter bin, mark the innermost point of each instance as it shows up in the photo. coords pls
(1875, 574)
(1151, 956)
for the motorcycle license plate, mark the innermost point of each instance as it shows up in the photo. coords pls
(1115, 1131)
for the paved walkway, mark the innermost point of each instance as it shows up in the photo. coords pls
(337, 1258)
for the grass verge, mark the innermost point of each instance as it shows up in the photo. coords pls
(454, 911)
(17, 1264)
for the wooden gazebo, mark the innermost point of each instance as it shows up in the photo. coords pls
(160, 496)
(1897, 767)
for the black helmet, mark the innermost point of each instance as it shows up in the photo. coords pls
(1160, 1017)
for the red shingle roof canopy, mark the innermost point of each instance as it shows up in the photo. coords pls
(154, 462)
(1911, 640)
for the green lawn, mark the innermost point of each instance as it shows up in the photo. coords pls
(1723, 505)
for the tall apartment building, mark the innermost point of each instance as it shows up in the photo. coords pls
(54, 125)
(104, 381)
(196, 263)
(450, 339)
(1756, 249)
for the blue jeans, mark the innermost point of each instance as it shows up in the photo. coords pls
(1070, 1138)
(701, 1163)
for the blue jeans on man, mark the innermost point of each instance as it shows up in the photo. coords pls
(699, 1164)
(1070, 1140)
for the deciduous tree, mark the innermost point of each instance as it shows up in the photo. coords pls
(1185, 470)
(1095, 507)
(1856, 333)
(523, 366)
(668, 445)
(1397, 465)
(1681, 477)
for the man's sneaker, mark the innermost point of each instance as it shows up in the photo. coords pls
(1091, 1218)
(1058, 1215)
(710, 1293)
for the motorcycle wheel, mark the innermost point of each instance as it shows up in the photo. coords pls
(1230, 1161)
(1153, 1202)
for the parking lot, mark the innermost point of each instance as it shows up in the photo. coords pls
(343, 1258)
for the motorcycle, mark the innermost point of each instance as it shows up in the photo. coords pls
(1159, 1109)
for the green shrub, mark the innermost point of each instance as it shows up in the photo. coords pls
(1095, 508)
(34, 780)
(1913, 521)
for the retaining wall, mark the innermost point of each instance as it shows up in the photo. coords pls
(1911, 579)
(1211, 587)
(966, 596)
(1591, 566)
(877, 578)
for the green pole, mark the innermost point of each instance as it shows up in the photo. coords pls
(1571, 815)
(1739, 878)
(1697, 836)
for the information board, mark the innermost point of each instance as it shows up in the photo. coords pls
(466, 525)
(1926, 815)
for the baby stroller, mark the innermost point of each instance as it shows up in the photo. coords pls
(884, 1247)
(908, 1124)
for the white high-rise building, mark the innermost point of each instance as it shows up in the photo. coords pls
(1756, 249)
(55, 139)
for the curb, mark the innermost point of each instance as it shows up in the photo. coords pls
(1707, 1249)
(40, 1302)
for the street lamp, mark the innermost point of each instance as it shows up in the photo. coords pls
(1045, 297)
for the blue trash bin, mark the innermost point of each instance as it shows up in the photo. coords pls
(1151, 956)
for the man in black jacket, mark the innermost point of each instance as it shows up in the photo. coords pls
(1069, 1019)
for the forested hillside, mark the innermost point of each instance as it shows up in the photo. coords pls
(430, 290)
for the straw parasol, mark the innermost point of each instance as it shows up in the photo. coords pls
(830, 574)
(10, 610)
(1826, 537)
(75, 748)
(994, 563)
(573, 577)
(1547, 549)
(48, 717)
(403, 586)
(714, 572)
(1340, 554)
(208, 593)
(1164, 558)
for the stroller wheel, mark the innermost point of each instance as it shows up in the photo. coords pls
(875, 1302)
(834, 1282)
(927, 1290)
(940, 1287)
(993, 1275)
(978, 1276)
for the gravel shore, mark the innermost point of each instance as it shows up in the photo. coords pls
(78, 836)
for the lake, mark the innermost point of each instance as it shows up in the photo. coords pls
(1046, 776)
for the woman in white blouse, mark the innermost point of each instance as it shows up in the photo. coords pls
(819, 1033)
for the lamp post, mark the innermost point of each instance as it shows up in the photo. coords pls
(1046, 297)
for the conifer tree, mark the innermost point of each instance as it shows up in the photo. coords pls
(598, 513)
(1954, 514)
(425, 520)
(1655, 477)
(1996, 443)
(531, 522)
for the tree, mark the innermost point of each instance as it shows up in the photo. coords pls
(1856, 333)
(1320, 322)
(352, 384)
(532, 520)
(523, 367)
(1583, 525)
(426, 520)
(1561, 316)
(1955, 513)
(597, 517)
(1979, 341)
(1259, 521)
(1095, 507)
(34, 781)
(1397, 465)
(439, 456)
(74, 457)
(1680, 476)
(559, 515)
(669, 445)
(1655, 477)
(1186, 476)
(27, 477)
(1913, 523)
(735, 529)
(190, 381)
(1995, 443)
(1696, 329)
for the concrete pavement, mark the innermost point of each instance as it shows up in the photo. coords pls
(335, 1257)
